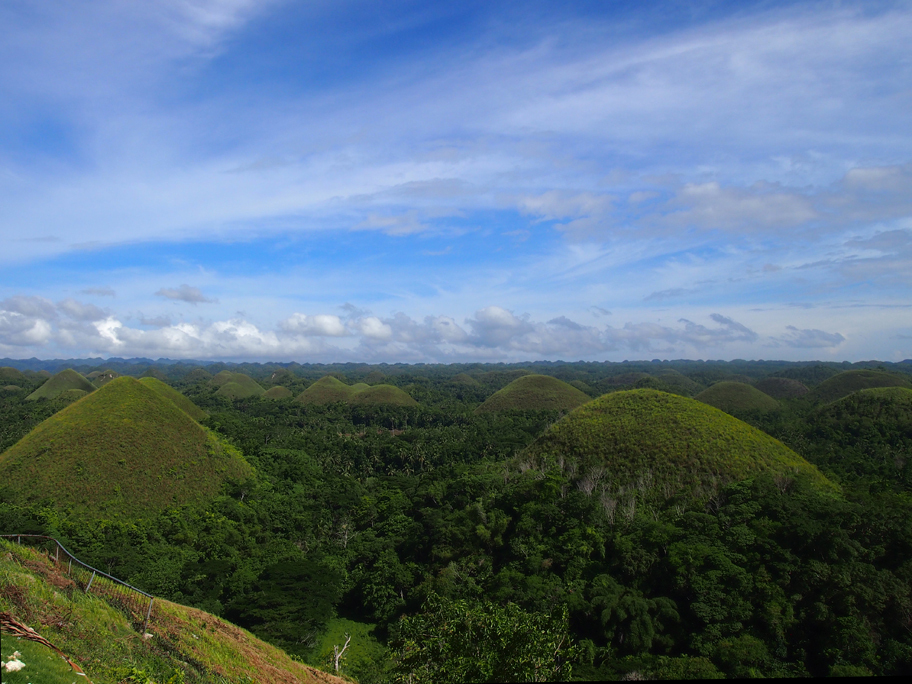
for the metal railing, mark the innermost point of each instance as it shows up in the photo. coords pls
(135, 601)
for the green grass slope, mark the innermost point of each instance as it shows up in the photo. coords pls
(278, 392)
(236, 385)
(12, 376)
(326, 390)
(382, 394)
(104, 377)
(64, 380)
(186, 645)
(845, 383)
(124, 450)
(661, 445)
(736, 397)
(535, 392)
(179, 400)
(782, 388)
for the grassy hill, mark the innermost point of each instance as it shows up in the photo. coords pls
(326, 390)
(182, 402)
(661, 445)
(186, 644)
(845, 383)
(782, 388)
(867, 434)
(104, 377)
(12, 376)
(64, 380)
(123, 450)
(381, 394)
(329, 389)
(236, 385)
(535, 392)
(197, 375)
(278, 392)
(736, 397)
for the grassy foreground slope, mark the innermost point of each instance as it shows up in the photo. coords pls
(179, 400)
(187, 645)
(844, 384)
(535, 392)
(124, 450)
(64, 380)
(735, 397)
(662, 445)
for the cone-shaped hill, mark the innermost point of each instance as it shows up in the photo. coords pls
(123, 450)
(12, 376)
(182, 402)
(736, 397)
(535, 392)
(662, 445)
(236, 385)
(329, 389)
(278, 392)
(845, 383)
(58, 384)
(104, 377)
(782, 388)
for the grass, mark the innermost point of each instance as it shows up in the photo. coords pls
(535, 392)
(64, 380)
(329, 389)
(845, 383)
(12, 376)
(178, 399)
(782, 388)
(104, 377)
(736, 397)
(124, 450)
(236, 385)
(657, 445)
(187, 645)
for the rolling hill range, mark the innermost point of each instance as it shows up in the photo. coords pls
(186, 644)
(662, 445)
(736, 397)
(535, 392)
(123, 450)
(329, 389)
(61, 382)
(845, 383)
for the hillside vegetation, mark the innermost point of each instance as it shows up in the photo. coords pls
(123, 450)
(178, 399)
(537, 393)
(186, 644)
(236, 385)
(328, 390)
(662, 445)
(61, 382)
(278, 392)
(736, 397)
(781, 388)
(845, 383)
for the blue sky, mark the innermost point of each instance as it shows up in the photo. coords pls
(405, 181)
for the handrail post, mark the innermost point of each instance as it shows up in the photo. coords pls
(148, 615)
(90, 582)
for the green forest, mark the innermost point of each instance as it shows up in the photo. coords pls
(491, 522)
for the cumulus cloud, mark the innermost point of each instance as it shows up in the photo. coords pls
(30, 306)
(320, 325)
(79, 311)
(18, 330)
(185, 293)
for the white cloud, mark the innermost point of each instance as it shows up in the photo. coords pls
(375, 329)
(79, 311)
(319, 325)
(810, 338)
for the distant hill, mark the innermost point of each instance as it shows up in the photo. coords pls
(807, 375)
(188, 645)
(328, 390)
(123, 450)
(197, 375)
(278, 392)
(64, 380)
(661, 445)
(845, 383)
(104, 377)
(12, 376)
(236, 385)
(736, 397)
(182, 402)
(535, 392)
(782, 388)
